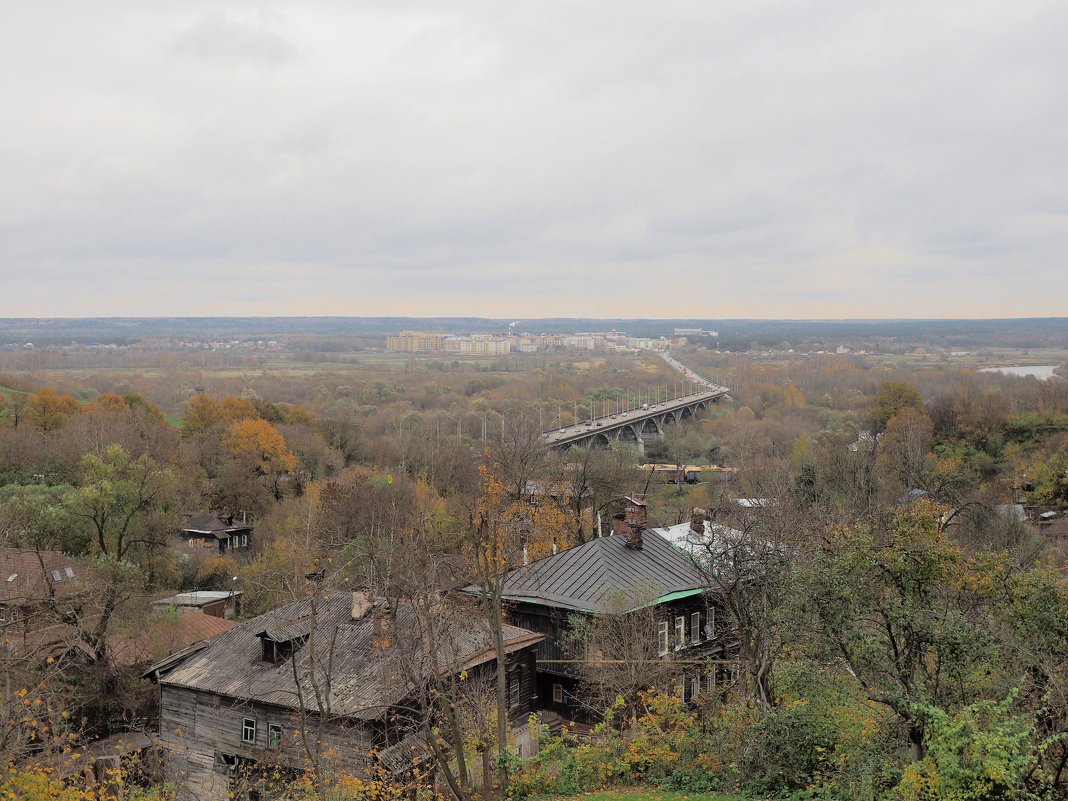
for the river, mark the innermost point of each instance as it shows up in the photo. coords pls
(1042, 372)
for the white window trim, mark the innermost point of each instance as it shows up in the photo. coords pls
(663, 644)
(710, 625)
(274, 735)
(695, 628)
(695, 687)
(246, 728)
(558, 694)
(680, 632)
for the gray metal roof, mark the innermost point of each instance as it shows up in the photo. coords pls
(580, 578)
(365, 681)
(197, 598)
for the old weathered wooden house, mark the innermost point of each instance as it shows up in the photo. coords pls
(553, 594)
(330, 675)
(221, 533)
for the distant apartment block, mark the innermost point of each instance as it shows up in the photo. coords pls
(415, 342)
(502, 344)
(478, 345)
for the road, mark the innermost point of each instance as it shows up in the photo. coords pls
(690, 374)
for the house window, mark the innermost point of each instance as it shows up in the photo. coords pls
(680, 632)
(248, 730)
(710, 624)
(710, 680)
(662, 638)
(274, 735)
(695, 628)
(244, 540)
(558, 694)
(57, 576)
(69, 571)
(695, 687)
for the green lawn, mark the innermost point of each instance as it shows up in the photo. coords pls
(648, 794)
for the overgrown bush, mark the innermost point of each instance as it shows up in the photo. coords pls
(788, 749)
(985, 752)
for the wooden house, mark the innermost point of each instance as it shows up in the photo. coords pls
(551, 595)
(330, 674)
(216, 532)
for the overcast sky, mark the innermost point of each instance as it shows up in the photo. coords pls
(707, 159)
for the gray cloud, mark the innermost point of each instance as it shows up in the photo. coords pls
(763, 158)
(217, 37)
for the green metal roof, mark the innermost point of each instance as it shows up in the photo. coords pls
(672, 596)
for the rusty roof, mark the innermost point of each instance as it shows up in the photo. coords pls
(28, 576)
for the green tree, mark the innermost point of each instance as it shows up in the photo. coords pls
(127, 503)
(897, 602)
(34, 516)
(891, 399)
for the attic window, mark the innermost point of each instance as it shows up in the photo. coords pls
(69, 571)
(276, 652)
(57, 576)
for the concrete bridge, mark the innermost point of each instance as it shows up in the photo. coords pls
(630, 426)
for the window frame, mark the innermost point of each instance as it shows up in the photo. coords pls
(274, 735)
(710, 623)
(558, 693)
(695, 686)
(246, 729)
(680, 631)
(695, 628)
(663, 643)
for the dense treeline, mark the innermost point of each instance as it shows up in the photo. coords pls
(900, 637)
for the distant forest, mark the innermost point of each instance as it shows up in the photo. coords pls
(733, 334)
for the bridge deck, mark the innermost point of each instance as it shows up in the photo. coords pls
(613, 422)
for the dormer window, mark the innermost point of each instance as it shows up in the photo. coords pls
(277, 652)
(57, 576)
(278, 643)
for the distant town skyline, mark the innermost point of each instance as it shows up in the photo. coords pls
(758, 160)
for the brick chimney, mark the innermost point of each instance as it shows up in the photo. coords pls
(697, 520)
(635, 513)
(634, 537)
